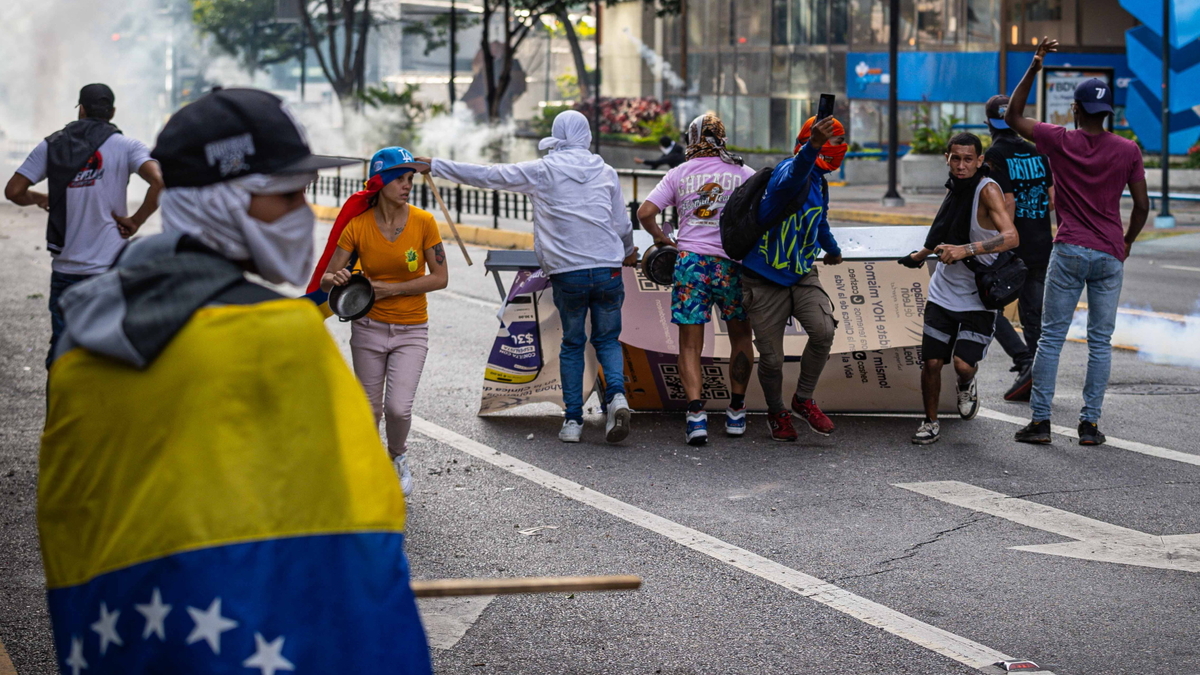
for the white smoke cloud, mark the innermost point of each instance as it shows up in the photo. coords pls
(1159, 338)
(51, 48)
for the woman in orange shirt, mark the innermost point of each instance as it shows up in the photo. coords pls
(395, 243)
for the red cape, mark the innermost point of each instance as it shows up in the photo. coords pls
(355, 206)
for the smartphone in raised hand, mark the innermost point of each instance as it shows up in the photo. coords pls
(825, 106)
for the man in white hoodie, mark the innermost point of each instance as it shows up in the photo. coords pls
(582, 236)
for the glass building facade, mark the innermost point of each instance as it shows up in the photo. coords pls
(761, 64)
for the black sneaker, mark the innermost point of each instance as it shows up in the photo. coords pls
(1089, 434)
(1034, 432)
(1022, 387)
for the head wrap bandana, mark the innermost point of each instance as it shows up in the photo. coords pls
(571, 131)
(218, 215)
(706, 138)
(831, 155)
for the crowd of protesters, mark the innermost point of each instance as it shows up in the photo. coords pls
(201, 356)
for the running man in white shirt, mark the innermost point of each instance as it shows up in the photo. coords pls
(87, 164)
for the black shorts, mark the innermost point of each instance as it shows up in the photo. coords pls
(962, 334)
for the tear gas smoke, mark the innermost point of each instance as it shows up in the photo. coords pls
(1159, 338)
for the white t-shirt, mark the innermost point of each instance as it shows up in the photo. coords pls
(92, 241)
(953, 286)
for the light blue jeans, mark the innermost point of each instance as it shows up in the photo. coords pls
(1071, 268)
(601, 292)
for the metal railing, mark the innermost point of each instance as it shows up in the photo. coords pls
(464, 199)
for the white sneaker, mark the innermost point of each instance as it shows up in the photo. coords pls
(617, 427)
(927, 433)
(571, 432)
(968, 400)
(400, 463)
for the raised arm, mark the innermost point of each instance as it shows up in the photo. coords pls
(1015, 117)
(1006, 238)
(522, 177)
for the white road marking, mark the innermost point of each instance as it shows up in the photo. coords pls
(1132, 446)
(1183, 268)
(1094, 539)
(447, 620)
(961, 649)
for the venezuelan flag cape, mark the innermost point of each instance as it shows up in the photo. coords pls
(229, 509)
(357, 204)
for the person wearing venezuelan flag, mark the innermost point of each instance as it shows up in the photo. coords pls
(213, 493)
(394, 242)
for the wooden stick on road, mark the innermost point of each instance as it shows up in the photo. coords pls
(444, 588)
(449, 221)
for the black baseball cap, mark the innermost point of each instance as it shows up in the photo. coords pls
(96, 98)
(1095, 95)
(994, 109)
(234, 132)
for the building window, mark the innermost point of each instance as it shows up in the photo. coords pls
(983, 24)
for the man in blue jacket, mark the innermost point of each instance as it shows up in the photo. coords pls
(780, 280)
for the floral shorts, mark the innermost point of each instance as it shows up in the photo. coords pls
(702, 281)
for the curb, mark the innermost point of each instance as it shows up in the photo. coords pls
(471, 234)
(882, 218)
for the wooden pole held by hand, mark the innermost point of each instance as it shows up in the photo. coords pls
(443, 588)
(449, 221)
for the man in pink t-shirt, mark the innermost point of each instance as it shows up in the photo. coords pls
(704, 274)
(1092, 167)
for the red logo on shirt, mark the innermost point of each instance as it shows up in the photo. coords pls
(90, 173)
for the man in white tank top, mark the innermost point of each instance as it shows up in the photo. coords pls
(957, 325)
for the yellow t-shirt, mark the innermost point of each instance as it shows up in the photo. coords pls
(393, 261)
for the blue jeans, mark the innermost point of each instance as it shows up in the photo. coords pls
(59, 283)
(1071, 268)
(601, 291)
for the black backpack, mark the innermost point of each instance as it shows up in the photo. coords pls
(999, 283)
(740, 228)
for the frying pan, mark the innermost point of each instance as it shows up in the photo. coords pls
(353, 300)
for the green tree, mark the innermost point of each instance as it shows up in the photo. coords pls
(248, 31)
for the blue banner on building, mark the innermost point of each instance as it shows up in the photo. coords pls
(961, 77)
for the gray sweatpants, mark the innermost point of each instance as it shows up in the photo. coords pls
(771, 306)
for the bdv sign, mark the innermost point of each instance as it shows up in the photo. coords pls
(1094, 539)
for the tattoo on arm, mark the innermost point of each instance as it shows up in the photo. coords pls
(991, 245)
(439, 253)
(740, 369)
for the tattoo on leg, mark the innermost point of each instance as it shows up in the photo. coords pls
(740, 369)
(439, 253)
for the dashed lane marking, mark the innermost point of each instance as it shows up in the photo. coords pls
(1132, 446)
(945, 643)
(1183, 268)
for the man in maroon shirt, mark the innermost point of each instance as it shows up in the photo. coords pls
(1092, 167)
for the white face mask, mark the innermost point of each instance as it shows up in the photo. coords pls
(282, 250)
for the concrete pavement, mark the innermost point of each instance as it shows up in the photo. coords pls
(830, 509)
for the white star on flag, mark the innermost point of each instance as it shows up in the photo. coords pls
(106, 628)
(268, 656)
(76, 661)
(209, 625)
(155, 612)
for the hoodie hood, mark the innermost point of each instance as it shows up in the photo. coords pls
(132, 312)
(581, 166)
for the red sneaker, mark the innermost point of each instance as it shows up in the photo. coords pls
(781, 426)
(817, 420)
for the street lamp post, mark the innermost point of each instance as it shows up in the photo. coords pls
(1164, 219)
(893, 198)
(596, 91)
(453, 49)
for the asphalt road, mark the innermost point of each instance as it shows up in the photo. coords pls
(829, 508)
